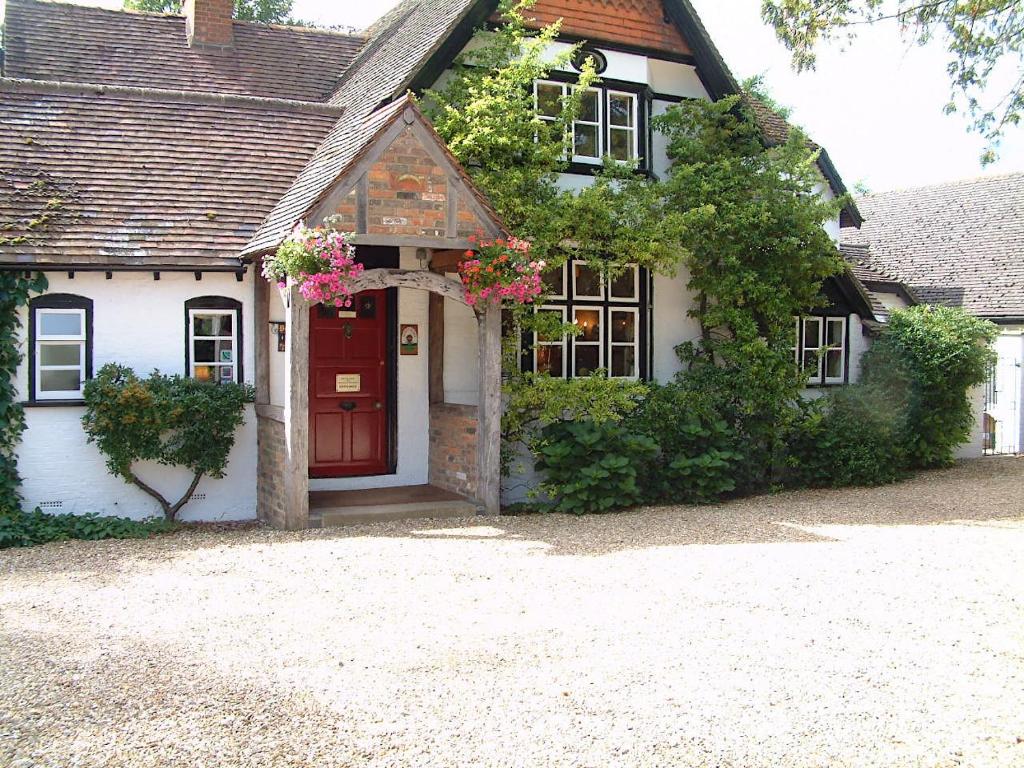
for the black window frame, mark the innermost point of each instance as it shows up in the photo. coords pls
(644, 99)
(220, 303)
(642, 304)
(57, 301)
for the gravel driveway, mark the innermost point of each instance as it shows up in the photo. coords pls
(843, 628)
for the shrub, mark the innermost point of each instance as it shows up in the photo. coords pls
(698, 460)
(171, 420)
(26, 529)
(848, 437)
(591, 467)
(926, 360)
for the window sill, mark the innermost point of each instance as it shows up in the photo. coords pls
(52, 403)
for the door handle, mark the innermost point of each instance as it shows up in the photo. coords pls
(377, 405)
(347, 405)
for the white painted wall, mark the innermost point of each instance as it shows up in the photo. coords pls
(461, 373)
(1008, 408)
(672, 302)
(413, 400)
(140, 322)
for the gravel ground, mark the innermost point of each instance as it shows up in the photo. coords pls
(835, 628)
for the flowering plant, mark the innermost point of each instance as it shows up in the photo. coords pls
(320, 262)
(499, 270)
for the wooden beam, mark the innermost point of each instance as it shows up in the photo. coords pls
(261, 315)
(296, 412)
(447, 260)
(376, 279)
(435, 348)
(489, 409)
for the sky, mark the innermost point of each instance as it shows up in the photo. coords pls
(876, 106)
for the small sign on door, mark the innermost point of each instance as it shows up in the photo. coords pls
(347, 382)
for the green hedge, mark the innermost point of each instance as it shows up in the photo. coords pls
(26, 529)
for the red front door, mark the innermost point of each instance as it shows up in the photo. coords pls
(348, 388)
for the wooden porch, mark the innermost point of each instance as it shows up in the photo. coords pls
(328, 509)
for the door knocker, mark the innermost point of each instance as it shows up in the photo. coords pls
(348, 330)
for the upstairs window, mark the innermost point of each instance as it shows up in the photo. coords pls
(214, 331)
(820, 345)
(60, 346)
(611, 317)
(607, 123)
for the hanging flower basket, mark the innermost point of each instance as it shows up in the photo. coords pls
(501, 270)
(320, 262)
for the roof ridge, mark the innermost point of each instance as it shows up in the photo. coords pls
(947, 184)
(358, 35)
(17, 85)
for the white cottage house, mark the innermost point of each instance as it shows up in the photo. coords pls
(186, 147)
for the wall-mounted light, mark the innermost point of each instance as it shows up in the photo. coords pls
(421, 257)
(278, 327)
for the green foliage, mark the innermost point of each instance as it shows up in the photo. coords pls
(26, 529)
(926, 361)
(698, 460)
(592, 467)
(983, 38)
(171, 420)
(263, 11)
(849, 437)
(16, 289)
(758, 255)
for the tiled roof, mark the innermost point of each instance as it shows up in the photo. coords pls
(147, 177)
(80, 44)
(873, 281)
(400, 45)
(960, 244)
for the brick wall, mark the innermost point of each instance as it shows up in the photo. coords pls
(208, 22)
(272, 457)
(453, 438)
(634, 22)
(408, 191)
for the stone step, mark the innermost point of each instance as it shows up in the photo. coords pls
(376, 513)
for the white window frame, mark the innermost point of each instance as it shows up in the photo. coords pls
(587, 159)
(820, 348)
(537, 342)
(587, 297)
(634, 129)
(635, 343)
(43, 340)
(600, 340)
(826, 348)
(233, 338)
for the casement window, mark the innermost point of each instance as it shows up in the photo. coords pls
(60, 346)
(820, 346)
(608, 122)
(213, 350)
(611, 316)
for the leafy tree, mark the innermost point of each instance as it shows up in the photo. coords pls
(758, 255)
(263, 11)
(171, 420)
(980, 35)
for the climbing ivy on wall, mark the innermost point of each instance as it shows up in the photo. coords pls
(16, 288)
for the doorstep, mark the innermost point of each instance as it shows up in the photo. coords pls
(328, 509)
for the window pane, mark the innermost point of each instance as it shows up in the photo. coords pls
(549, 100)
(623, 361)
(834, 363)
(812, 332)
(589, 320)
(60, 354)
(549, 359)
(589, 110)
(205, 372)
(834, 331)
(556, 313)
(226, 374)
(624, 286)
(622, 144)
(586, 360)
(225, 352)
(586, 281)
(224, 324)
(623, 326)
(59, 381)
(204, 325)
(620, 110)
(59, 324)
(554, 281)
(205, 352)
(585, 140)
(811, 359)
